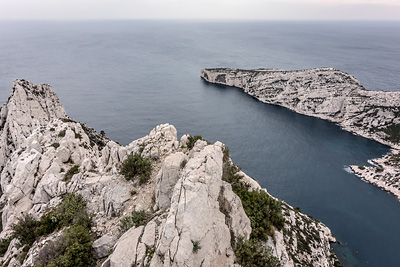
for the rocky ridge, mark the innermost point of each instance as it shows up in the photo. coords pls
(333, 95)
(194, 215)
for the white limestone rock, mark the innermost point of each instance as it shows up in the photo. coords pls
(29, 107)
(195, 216)
(149, 234)
(167, 178)
(125, 249)
(103, 246)
(195, 204)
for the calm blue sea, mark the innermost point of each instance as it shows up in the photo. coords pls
(125, 77)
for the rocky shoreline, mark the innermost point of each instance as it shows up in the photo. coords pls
(332, 95)
(185, 213)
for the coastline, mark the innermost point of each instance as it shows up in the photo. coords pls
(332, 95)
(47, 159)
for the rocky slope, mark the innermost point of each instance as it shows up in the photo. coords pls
(193, 217)
(332, 95)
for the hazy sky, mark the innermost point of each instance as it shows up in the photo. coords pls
(201, 9)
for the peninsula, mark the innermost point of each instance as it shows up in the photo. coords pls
(72, 197)
(332, 95)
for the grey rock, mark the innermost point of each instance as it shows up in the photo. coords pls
(149, 234)
(125, 249)
(167, 178)
(103, 246)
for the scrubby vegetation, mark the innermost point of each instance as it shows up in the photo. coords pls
(62, 133)
(78, 136)
(73, 170)
(55, 145)
(196, 246)
(71, 211)
(251, 253)
(192, 140)
(393, 132)
(265, 214)
(262, 210)
(136, 165)
(4, 243)
(136, 219)
(74, 247)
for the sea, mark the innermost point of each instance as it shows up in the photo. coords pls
(126, 77)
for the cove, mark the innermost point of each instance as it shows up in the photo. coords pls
(302, 160)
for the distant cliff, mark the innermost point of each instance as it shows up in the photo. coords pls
(333, 95)
(72, 197)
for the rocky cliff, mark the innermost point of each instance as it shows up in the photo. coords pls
(64, 201)
(333, 95)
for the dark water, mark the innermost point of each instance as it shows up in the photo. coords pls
(125, 77)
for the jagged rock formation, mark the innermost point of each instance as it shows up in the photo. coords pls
(47, 155)
(328, 94)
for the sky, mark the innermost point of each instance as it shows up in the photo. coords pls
(200, 9)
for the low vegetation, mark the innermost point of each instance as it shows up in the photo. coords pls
(192, 140)
(265, 214)
(136, 165)
(4, 243)
(55, 145)
(251, 253)
(73, 170)
(74, 247)
(62, 133)
(393, 133)
(196, 246)
(136, 219)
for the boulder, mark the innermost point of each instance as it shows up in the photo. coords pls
(167, 178)
(103, 246)
(125, 249)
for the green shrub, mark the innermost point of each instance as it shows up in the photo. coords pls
(75, 247)
(262, 210)
(4, 243)
(24, 230)
(52, 129)
(196, 246)
(66, 120)
(62, 133)
(78, 136)
(250, 253)
(71, 211)
(136, 219)
(361, 167)
(22, 150)
(55, 145)
(192, 140)
(183, 163)
(135, 165)
(393, 133)
(73, 170)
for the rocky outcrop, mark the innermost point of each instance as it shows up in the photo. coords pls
(329, 94)
(194, 216)
(385, 173)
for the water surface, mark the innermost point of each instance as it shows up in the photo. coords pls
(125, 77)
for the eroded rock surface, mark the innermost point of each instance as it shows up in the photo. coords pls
(194, 214)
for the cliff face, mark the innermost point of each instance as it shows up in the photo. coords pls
(193, 215)
(324, 93)
(332, 95)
